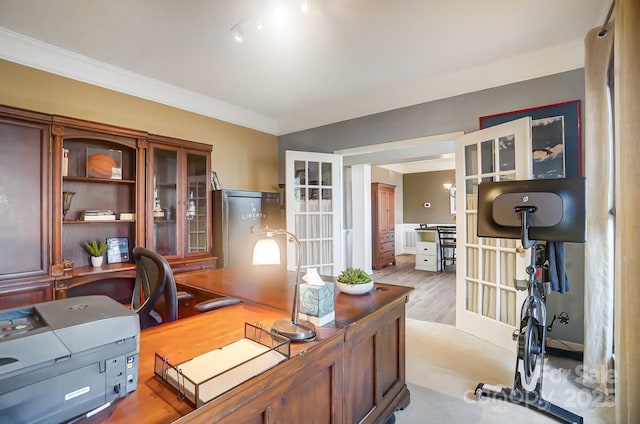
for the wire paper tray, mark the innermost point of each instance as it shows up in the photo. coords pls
(211, 374)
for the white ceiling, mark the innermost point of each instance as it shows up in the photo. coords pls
(343, 59)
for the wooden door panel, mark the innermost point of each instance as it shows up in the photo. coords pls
(361, 385)
(18, 295)
(375, 360)
(317, 395)
(391, 210)
(24, 199)
(388, 356)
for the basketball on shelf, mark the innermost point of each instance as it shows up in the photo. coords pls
(100, 166)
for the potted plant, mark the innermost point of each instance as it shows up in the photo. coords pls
(96, 249)
(354, 281)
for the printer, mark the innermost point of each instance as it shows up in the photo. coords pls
(67, 358)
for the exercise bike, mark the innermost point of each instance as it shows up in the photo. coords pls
(531, 337)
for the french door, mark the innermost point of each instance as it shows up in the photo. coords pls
(487, 302)
(314, 209)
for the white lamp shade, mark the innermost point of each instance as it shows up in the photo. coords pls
(266, 252)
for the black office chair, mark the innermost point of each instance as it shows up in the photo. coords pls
(155, 297)
(447, 243)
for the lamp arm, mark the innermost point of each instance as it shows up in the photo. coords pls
(296, 290)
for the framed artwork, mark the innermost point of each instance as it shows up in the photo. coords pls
(118, 250)
(556, 137)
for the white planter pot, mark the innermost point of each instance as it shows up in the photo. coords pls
(355, 288)
(96, 261)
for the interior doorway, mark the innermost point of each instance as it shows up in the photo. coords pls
(406, 156)
(435, 153)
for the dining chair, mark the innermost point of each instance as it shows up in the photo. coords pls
(447, 245)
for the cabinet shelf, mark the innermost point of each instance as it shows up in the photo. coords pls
(117, 221)
(82, 271)
(96, 189)
(97, 180)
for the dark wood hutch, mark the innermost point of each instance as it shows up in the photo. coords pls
(161, 185)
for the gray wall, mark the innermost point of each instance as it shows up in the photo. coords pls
(427, 187)
(459, 113)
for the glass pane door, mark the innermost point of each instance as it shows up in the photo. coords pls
(165, 201)
(196, 213)
(487, 302)
(314, 199)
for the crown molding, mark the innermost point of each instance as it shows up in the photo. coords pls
(30, 52)
(36, 54)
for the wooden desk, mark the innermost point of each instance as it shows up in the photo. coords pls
(113, 280)
(116, 280)
(354, 372)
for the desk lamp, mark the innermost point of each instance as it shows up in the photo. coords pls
(267, 252)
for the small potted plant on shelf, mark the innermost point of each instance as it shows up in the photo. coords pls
(96, 249)
(354, 281)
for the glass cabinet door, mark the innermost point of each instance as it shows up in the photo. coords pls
(196, 210)
(165, 205)
(179, 202)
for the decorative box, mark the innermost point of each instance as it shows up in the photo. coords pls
(317, 303)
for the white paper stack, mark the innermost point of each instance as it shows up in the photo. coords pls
(214, 373)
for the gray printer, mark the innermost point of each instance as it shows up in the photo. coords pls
(66, 358)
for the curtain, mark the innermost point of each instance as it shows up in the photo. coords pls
(599, 249)
(627, 152)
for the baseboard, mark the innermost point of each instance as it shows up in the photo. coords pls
(564, 344)
(565, 349)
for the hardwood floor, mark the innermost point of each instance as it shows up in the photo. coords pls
(434, 298)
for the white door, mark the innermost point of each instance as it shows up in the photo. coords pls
(314, 209)
(487, 303)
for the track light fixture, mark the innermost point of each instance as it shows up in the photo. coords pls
(237, 33)
(276, 15)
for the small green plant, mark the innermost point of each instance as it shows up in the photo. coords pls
(353, 276)
(95, 247)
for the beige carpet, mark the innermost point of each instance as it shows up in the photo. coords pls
(444, 365)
